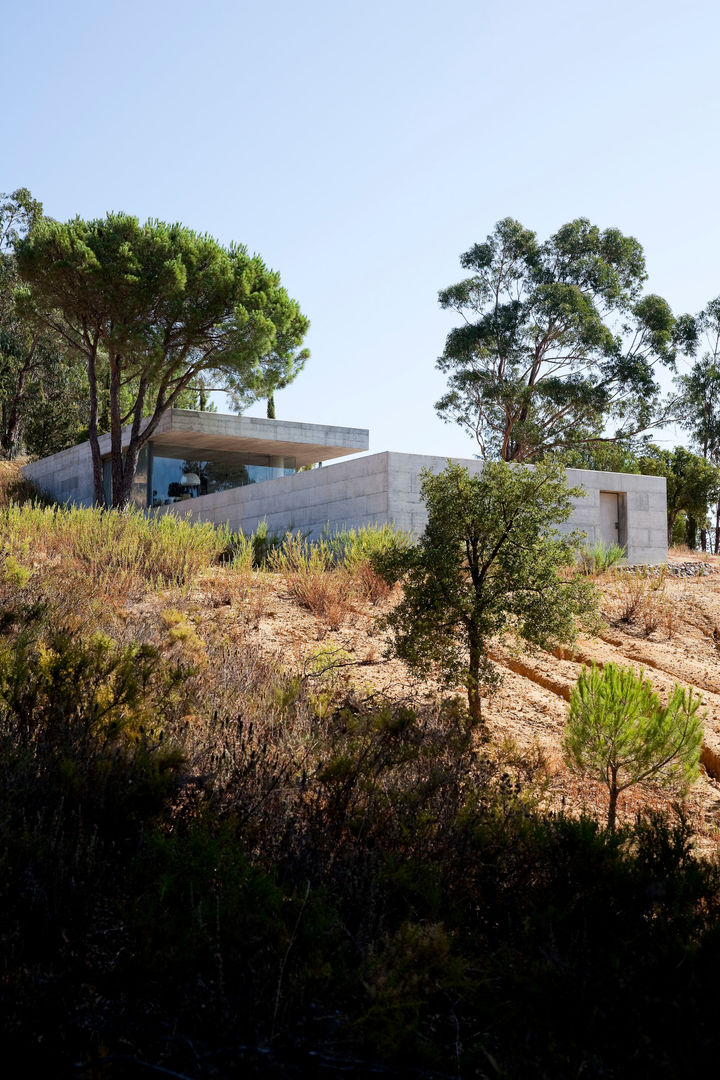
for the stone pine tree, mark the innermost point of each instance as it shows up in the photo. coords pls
(556, 341)
(619, 732)
(278, 367)
(153, 306)
(490, 562)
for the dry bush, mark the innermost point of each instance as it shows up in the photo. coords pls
(14, 488)
(310, 574)
(642, 599)
(651, 612)
(367, 583)
(671, 616)
(629, 592)
(117, 555)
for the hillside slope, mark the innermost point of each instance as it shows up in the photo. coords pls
(531, 704)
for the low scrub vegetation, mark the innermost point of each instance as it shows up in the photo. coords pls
(120, 553)
(224, 875)
(640, 599)
(214, 865)
(329, 576)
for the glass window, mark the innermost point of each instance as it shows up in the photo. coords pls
(138, 495)
(174, 479)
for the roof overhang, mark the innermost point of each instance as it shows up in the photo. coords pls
(183, 432)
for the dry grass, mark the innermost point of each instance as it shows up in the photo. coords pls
(90, 554)
(13, 487)
(330, 576)
(312, 576)
(641, 600)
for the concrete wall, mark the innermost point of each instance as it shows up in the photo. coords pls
(386, 488)
(371, 490)
(67, 476)
(346, 495)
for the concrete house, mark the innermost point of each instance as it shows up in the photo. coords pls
(242, 470)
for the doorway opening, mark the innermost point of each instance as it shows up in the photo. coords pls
(613, 518)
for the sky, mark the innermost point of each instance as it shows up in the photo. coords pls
(361, 148)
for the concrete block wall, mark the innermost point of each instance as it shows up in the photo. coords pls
(646, 501)
(346, 495)
(66, 477)
(371, 490)
(386, 488)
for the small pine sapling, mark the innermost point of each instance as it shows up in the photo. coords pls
(619, 732)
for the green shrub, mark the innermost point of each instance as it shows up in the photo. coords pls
(600, 557)
(113, 549)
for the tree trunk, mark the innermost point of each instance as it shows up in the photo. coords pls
(98, 483)
(117, 464)
(121, 497)
(691, 532)
(717, 529)
(11, 408)
(473, 683)
(612, 808)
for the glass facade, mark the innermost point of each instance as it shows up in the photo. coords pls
(166, 478)
(138, 495)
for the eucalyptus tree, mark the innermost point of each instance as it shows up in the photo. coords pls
(557, 340)
(157, 306)
(700, 395)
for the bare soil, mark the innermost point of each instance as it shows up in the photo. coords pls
(530, 706)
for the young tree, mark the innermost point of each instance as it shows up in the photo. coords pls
(557, 339)
(488, 563)
(158, 305)
(618, 731)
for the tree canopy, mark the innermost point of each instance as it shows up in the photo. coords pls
(692, 483)
(557, 339)
(41, 388)
(156, 306)
(488, 563)
(700, 395)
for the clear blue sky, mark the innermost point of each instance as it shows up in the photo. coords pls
(361, 148)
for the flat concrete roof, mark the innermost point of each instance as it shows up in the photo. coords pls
(185, 429)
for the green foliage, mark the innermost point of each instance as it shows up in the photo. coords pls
(151, 308)
(351, 547)
(604, 456)
(264, 542)
(42, 388)
(692, 482)
(125, 548)
(600, 557)
(556, 340)
(487, 564)
(275, 891)
(618, 731)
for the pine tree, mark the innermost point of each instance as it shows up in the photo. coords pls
(619, 731)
